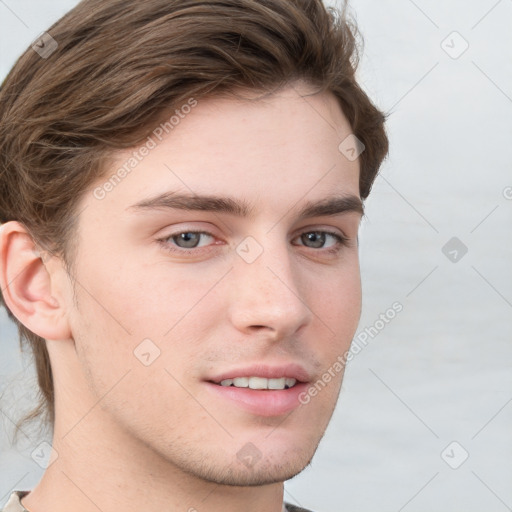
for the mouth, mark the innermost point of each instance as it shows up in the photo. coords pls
(262, 390)
(260, 383)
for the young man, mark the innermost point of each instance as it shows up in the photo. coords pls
(182, 183)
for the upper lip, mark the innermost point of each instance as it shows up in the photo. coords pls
(290, 371)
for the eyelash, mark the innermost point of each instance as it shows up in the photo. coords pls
(342, 241)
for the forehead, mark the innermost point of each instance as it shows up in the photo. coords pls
(279, 148)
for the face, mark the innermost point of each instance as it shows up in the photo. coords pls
(217, 264)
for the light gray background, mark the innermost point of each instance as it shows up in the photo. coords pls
(441, 371)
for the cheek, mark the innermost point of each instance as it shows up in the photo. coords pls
(336, 300)
(129, 312)
(141, 300)
(115, 365)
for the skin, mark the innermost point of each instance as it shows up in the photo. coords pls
(135, 437)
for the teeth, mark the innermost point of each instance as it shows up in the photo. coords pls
(276, 383)
(241, 382)
(259, 383)
(290, 382)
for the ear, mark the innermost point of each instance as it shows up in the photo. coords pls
(27, 284)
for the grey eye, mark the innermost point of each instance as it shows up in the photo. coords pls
(316, 238)
(187, 240)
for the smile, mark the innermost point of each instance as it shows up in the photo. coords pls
(260, 383)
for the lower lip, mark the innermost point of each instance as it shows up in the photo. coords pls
(262, 402)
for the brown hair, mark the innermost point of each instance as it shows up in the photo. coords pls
(119, 65)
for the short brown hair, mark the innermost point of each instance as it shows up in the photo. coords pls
(120, 64)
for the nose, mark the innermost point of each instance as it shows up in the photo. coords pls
(267, 295)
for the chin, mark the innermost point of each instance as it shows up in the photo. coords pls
(260, 478)
(263, 473)
(250, 468)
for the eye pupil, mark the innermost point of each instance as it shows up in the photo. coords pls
(190, 239)
(318, 239)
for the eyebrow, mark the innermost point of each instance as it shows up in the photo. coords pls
(328, 206)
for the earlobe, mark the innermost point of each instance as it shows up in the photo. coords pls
(27, 284)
